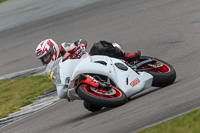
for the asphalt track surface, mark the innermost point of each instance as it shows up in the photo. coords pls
(166, 29)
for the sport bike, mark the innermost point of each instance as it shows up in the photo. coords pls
(102, 81)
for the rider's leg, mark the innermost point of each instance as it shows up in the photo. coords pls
(113, 50)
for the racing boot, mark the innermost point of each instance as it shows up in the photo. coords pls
(132, 56)
(128, 56)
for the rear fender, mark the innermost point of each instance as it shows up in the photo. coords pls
(143, 63)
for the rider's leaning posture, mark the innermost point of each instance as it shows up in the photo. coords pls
(48, 50)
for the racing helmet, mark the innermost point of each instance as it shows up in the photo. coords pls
(47, 47)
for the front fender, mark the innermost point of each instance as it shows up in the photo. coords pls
(89, 81)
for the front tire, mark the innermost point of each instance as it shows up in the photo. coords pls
(91, 107)
(100, 97)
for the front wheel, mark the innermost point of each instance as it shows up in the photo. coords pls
(91, 107)
(100, 97)
(163, 73)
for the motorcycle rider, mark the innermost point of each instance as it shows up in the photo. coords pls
(48, 50)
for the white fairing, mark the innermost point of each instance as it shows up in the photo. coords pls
(128, 80)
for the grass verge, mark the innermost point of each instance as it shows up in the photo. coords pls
(2, 1)
(188, 123)
(17, 93)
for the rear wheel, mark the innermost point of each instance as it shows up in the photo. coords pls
(101, 97)
(163, 73)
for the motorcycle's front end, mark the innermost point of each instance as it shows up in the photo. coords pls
(53, 71)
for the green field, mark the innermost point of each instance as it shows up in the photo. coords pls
(2, 1)
(17, 93)
(188, 123)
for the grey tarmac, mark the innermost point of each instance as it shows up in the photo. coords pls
(166, 29)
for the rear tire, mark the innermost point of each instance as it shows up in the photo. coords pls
(87, 94)
(163, 76)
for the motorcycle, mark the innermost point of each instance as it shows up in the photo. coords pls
(102, 81)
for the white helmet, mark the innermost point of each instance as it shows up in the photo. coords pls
(44, 48)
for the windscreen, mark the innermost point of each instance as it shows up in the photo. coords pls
(53, 71)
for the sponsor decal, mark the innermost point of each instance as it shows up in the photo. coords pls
(51, 74)
(135, 82)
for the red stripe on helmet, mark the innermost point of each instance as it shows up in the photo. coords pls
(46, 50)
(50, 43)
(40, 51)
(42, 43)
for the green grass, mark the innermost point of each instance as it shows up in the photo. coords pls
(2, 1)
(188, 123)
(17, 93)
